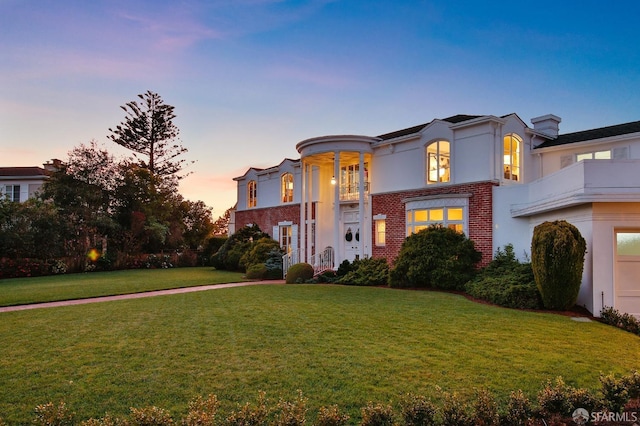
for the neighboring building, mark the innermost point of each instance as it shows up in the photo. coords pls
(493, 178)
(21, 183)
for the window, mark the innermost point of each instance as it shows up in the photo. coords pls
(438, 162)
(285, 238)
(511, 163)
(286, 187)
(252, 194)
(350, 181)
(380, 229)
(451, 217)
(12, 192)
(596, 155)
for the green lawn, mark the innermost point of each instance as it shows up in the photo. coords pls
(19, 291)
(339, 345)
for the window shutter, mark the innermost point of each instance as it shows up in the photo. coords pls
(276, 233)
(294, 238)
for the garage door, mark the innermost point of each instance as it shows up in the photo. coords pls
(627, 272)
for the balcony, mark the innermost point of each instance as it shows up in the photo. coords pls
(351, 192)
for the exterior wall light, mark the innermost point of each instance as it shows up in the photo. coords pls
(333, 180)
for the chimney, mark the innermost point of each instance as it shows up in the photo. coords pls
(547, 124)
(53, 165)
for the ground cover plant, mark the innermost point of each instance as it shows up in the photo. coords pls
(340, 345)
(18, 291)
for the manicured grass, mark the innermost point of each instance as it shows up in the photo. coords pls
(339, 345)
(18, 291)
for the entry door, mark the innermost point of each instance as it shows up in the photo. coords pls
(351, 235)
(627, 272)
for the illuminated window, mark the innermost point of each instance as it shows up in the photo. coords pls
(438, 162)
(381, 230)
(286, 187)
(252, 194)
(451, 217)
(285, 238)
(596, 155)
(511, 163)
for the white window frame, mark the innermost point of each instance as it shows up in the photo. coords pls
(437, 202)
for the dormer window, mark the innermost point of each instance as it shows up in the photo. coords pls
(438, 162)
(286, 188)
(511, 159)
(252, 194)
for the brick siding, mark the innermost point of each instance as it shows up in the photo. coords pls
(480, 217)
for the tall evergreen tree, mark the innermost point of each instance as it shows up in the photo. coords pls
(149, 132)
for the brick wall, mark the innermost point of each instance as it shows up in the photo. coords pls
(480, 217)
(268, 217)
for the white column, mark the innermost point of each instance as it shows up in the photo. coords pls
(361, 221)
(310, 241)
(303, 202)
(336, 210)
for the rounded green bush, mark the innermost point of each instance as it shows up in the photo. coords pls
(257, 271)
(435, 257)
(557, 259)
(300, 272)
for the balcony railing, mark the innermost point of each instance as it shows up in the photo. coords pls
(351, 192)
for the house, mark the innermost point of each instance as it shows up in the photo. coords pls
(21, 183)
(492, 177)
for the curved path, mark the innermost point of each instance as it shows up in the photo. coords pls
(133, 295)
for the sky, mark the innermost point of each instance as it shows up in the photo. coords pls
(249, 79)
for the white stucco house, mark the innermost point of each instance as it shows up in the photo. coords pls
(21, 183)
(492, 177)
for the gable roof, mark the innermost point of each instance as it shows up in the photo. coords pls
(599, 133)
(454, 119)
(22, 172)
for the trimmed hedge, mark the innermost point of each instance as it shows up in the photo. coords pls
(557, 259)
(299, 273)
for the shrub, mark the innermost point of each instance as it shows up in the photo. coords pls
(557, 259)
(368, 271)
(559, 399)
(518, 411)
(624, 321)
(506, 282)
(417, 410)
(455, 412)
(331, 416)
(52, 415)
(485, 409)
(229, 254)
(257, 271)
(274, 265)
(299, 273)
(435, 257)
(377, 415)
(258, 252)
(187, 258)
(328, 276)
(202, 412)
(614, 392)
(250, 415)
(150, 416)
(292, 413)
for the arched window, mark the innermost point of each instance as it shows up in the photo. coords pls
(286, 187)
(252, 193)
(511, 162)
(438, 162)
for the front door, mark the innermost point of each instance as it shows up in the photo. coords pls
(627, 271)
(351, 235)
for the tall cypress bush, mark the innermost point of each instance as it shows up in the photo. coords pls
(557, 259)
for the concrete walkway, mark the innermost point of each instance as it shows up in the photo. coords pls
(134, 295)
